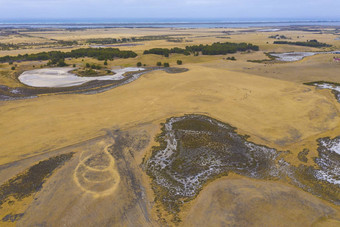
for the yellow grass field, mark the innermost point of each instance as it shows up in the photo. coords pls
(266, 101)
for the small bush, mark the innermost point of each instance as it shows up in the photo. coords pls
(159, 63)
(179, 62)
(13, 68)
(139, 64)
(166, 64)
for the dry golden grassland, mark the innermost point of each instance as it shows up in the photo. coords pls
(266, 101)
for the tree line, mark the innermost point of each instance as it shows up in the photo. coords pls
(55, 56)
(166, 52)
(309, 43)
(213, 49)
(131, 39)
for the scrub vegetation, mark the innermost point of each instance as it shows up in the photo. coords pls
(31, 181)
(194, 150)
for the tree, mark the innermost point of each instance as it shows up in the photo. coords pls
(74, 65)
(13, 68)
(179, 62)
(159, 63)
(61, 63)
(139, 64)
(105, 62)
(88, 65)
(166, 64)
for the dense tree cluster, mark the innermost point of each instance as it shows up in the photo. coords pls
(166, 52)
(213, 49)
(309, 43)
(222, 48)
(54, 56)
(57, 62)
(67, 43)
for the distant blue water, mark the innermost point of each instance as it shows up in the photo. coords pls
(159, 23)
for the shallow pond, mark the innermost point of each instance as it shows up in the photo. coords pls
(296, 56)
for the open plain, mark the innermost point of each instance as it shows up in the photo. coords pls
(101, 144)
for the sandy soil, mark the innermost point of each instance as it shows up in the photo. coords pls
(237, 201)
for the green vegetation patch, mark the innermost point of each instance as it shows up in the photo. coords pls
(270, 59)
(302, 156)
(97, 53)
(12, 217)
(213, 49)
(31, 181)
(92, 72)
(309, 43)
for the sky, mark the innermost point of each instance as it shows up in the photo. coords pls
(230, 9)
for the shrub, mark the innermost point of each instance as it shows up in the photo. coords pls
(166, 64)
(139, 64)
(159, 63)
(13, 68)
(179, 62)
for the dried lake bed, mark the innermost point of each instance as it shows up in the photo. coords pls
(60, 80)
(62, 77)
